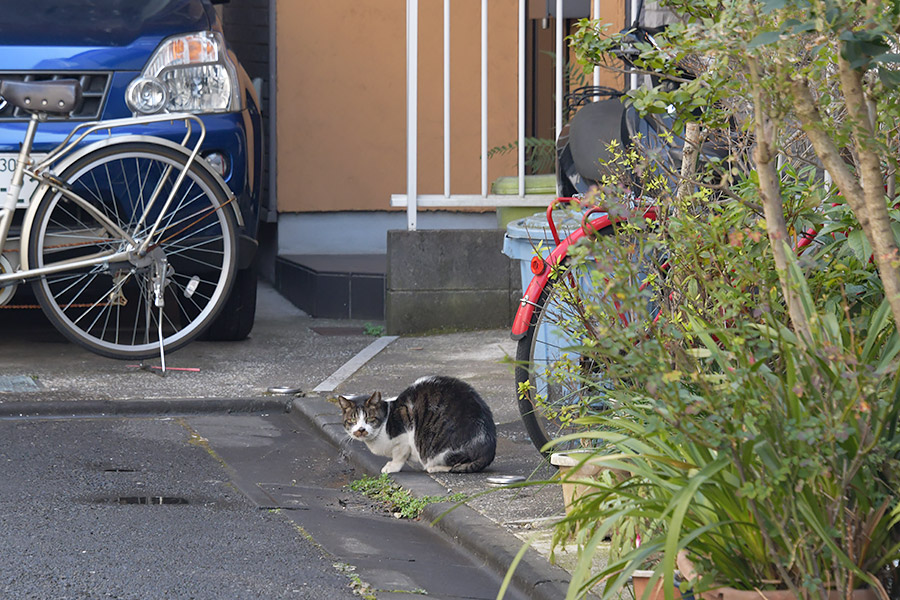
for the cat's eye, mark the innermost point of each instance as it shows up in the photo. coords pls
(371, 420)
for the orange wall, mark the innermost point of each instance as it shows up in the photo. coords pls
(341, 79)
(342, 101)
(613, 12)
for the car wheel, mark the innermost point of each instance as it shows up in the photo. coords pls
(235, 321)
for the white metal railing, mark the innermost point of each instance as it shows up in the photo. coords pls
(412, 200)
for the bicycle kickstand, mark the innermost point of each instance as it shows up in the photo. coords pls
(160, 273)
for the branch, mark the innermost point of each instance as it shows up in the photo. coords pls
(812, 123)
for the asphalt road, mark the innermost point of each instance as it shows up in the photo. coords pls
(69, 529)
(43, 375)
(205, 506)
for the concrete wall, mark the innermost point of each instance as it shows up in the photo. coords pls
(449, 280)
(355, 232)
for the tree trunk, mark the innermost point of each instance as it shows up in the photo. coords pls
(773, 207)
(866, 194)
(878, 229)
(693, 139)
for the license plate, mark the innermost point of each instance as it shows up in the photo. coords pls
(7, 167)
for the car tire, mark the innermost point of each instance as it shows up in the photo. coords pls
(235, 322)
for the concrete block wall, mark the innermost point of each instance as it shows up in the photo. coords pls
(449, 280)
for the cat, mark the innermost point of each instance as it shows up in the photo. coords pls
(440, 422)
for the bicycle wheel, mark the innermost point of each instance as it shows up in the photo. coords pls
(113, 308)
(558, 382)
(554, 381)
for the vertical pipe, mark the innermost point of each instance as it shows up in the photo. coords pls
(635, 7)
(446, 98)
(559, 66)
(595, 14)
(484, 96)
(272, 130)
(521, 159)
(412, 107)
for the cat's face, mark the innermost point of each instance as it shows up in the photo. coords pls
(364, 416)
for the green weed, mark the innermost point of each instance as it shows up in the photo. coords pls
(395, 499)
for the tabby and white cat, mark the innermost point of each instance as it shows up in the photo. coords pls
(440, 422)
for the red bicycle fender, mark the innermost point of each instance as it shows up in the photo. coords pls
(536, 287)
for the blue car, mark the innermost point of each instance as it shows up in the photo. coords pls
(138, 57)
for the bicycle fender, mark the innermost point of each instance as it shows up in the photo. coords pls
(69, 159)
(535, 288)
(522, 320)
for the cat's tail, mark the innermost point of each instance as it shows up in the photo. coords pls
(473, 466)
(475, 458)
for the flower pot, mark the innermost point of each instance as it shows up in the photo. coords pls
(686, 568)
(576, 472)
(641, 579)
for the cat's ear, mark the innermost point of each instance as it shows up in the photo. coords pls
(345, 404)
(374, 399)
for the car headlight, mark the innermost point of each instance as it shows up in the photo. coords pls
(187, 73)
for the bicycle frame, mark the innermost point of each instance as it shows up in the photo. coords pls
(543, 268)
(49, 184)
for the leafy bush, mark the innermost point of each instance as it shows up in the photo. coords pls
(773, 462)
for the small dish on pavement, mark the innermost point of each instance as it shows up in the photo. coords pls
(505, 479)
(281, 389)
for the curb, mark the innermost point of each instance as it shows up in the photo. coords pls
(484, 539)
(162, 406)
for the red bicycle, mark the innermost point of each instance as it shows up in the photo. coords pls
(554, 381)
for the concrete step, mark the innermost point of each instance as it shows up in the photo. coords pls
(342, 286)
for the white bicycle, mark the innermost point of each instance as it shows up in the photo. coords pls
(129, 241)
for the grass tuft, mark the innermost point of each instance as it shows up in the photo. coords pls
(396, 499)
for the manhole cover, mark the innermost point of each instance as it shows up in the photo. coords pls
(144, 500)
(18, 383)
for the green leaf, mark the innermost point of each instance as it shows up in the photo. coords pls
(887, 58)
(814, 520)
(798, 280)
(860, 48)
(763, 39)
(800, 26)
(890, 79)
(679, 505)
(895, 228)
(877, 322)
(772, 5)
(860, 245)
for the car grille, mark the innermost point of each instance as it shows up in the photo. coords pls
(94, 86)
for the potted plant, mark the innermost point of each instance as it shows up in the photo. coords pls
(579, 472)
(768, 461)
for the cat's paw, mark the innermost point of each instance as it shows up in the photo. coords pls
(438, 469)
(392, 467)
